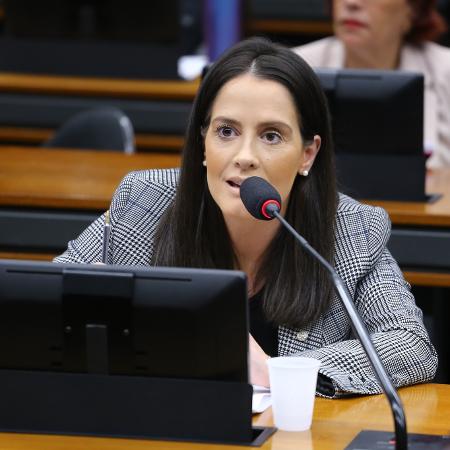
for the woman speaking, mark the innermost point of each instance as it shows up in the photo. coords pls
(260, 111)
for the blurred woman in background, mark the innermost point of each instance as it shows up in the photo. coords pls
(394, 34)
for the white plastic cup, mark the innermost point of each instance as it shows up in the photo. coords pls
(293, 382)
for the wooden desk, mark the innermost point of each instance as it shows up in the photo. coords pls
(97, 87)
(56, 193)
(426, 224)
(435, 214)
(87, 90)
(32, 176)
(335, 424)
(84, 181)
(61, 178)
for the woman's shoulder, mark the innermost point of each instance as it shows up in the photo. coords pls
(324, 52)
(144, 188)
(437, 50)
(354, 218)
(440, 58)
(430, 55)
(161, 177)
(144, 181)
(361, 235)
(348, 206)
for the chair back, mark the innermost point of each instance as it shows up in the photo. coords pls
(99, 129)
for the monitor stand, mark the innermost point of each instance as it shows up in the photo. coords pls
(384, 440)
(382, 176)
(128, 407)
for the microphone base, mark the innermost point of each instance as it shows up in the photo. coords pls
(385, 440)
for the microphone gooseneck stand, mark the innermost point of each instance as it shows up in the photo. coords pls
(401, 436)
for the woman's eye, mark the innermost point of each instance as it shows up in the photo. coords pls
(225, 132)
(272, 137)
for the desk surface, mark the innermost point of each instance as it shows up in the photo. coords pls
(98, 87)
(87, 179)
(79, 179)
(435, 213)
(335, 424)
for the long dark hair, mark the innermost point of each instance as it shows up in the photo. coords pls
(192, 232)
(427, 23)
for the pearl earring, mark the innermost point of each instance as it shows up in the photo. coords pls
(204, 162)
(304, 173)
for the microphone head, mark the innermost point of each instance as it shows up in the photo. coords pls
(260, 198)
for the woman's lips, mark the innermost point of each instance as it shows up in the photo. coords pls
(233, 184)
(352, 23)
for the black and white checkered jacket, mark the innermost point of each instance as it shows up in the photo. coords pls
(373, 278)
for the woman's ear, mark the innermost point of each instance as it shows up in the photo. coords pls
(310, 151)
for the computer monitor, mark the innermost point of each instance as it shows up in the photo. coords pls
(377, 122)
(106, 38)
(125, 351)
(159, 322)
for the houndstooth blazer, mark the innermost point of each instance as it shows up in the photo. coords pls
(372, 276)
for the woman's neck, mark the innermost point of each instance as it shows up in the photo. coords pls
(250, 240)
(387, 58)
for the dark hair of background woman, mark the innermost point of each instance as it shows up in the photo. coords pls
(192, 232)
(427, 23)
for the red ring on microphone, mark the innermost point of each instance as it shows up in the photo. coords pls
(266, 204)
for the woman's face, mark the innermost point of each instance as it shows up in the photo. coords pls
(365, 23)
(253, 131)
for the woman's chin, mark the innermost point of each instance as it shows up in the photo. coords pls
(237, 213)
(353, 40)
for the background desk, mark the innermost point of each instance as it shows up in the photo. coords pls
(335, 424)
(420, 239)
(32, 107)
(48, 196)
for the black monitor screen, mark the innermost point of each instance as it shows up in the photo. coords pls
(105, 38)
(377, 122)
(168, 322)
(132, 20)
(375, 111)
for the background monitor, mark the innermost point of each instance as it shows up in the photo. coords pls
(377, 121)
(108, 38)
(159, 322)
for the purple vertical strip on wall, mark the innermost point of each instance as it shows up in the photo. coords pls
(223, 25)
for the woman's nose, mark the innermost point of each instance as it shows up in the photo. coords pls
(351, 4)
(245, 157)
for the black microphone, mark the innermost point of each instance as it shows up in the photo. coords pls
(260, 198)
(263, 202)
